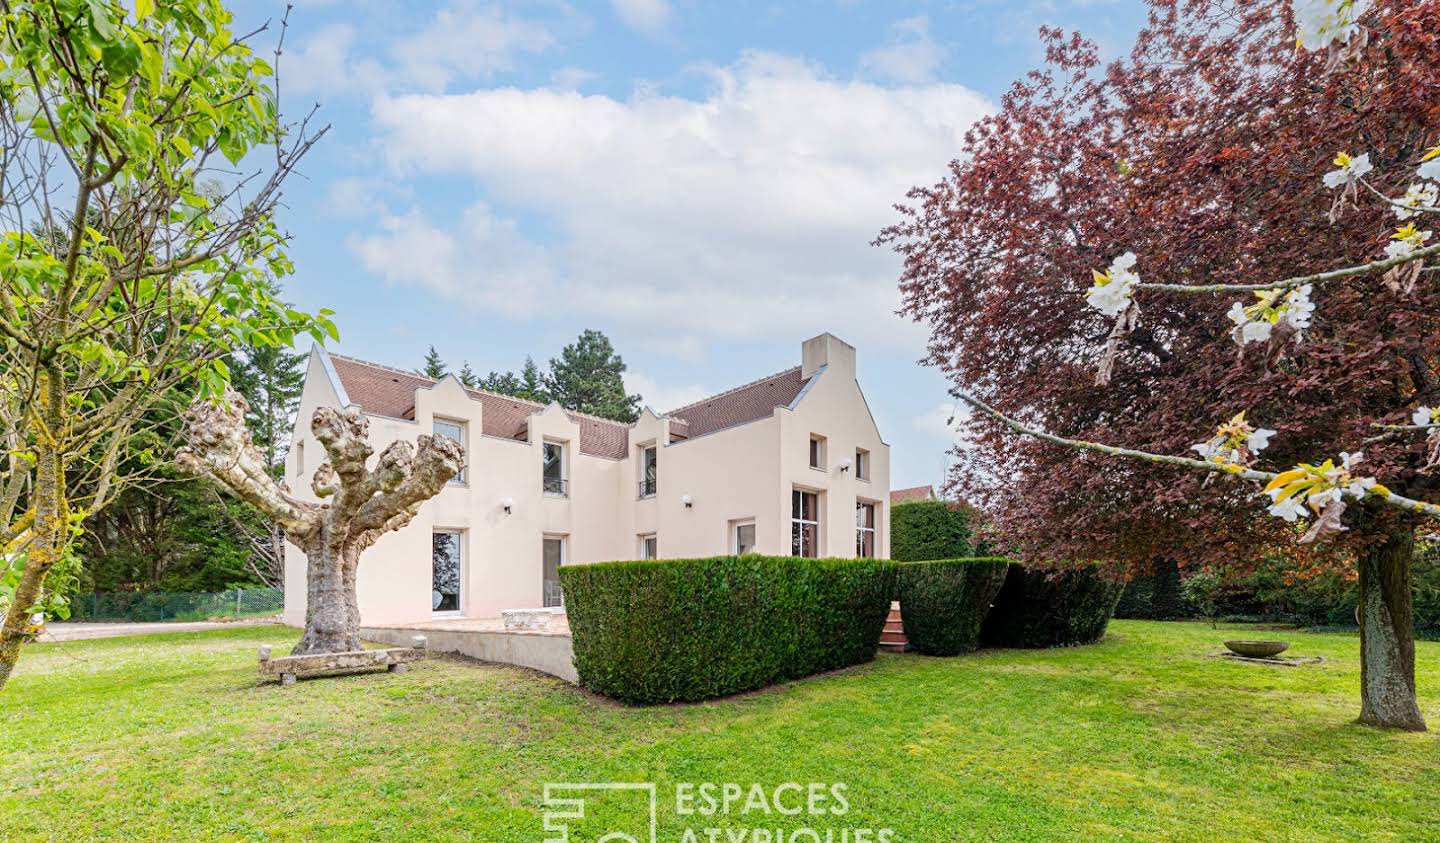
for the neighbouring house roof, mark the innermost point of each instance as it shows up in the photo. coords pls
(914, 493)
(387, 391)
(755, 400)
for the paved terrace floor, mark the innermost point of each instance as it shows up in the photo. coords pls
(547, 650)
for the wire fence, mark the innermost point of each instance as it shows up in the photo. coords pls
(176, 606)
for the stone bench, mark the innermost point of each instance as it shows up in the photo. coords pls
(290, 668)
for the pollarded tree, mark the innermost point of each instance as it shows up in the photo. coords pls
(363, 503)
(138, 249)
(1205, 156)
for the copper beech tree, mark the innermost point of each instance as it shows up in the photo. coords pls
(359, 504)
(1141, 276)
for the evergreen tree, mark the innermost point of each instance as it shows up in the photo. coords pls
(467, 376)
(587, 377)
(532, 382)
(271, 380)
(434, 366)
(504, 383)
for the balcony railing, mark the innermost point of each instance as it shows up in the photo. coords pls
(555, 486)
(647, 488)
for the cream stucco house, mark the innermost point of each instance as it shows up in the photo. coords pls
(790, 463)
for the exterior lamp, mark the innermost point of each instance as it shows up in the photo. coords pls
(508, 504)
(687, 500)
(845, 466)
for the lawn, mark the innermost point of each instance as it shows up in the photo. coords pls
(1141, 737)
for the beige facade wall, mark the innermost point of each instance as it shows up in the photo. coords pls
(740, 473)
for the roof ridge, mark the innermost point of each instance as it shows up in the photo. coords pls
(432, 381)
(732, 390)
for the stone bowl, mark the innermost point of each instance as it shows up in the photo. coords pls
(1258, 649)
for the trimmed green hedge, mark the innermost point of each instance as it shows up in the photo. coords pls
(692, 629)
(943, 602)
(924, 530)
(1042, 607)
(1155, 594)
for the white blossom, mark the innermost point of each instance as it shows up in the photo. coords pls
(1423, 416)
(1299, 307)
(1322, 22)
(1348, 169)
(1422, 195)
(1112, 290)
(1259, 439)
(1256, 322)
(1289, 509)
(1405, 241)
(1349, 459)
(1360, 487)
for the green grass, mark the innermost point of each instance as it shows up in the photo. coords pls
(1141, 737)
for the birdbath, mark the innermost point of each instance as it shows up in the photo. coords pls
(1258, 649)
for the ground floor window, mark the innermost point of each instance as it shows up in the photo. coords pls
(804, 524)
(864, 529)
(554, 557)
(445, 571)
(649, 547)
(742, 538)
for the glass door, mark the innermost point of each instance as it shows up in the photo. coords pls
(554, 557)
(445, 572)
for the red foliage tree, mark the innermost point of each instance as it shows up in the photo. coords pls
(1202, 152)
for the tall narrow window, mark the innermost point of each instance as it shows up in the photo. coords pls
(454, 431)
(744, 538)
(649, 462)
(862, 464)
(804, 524)
(649, 547)
(554, 557)
(553, 472)
(445, 571)
(299, 459)
(817, 452)
(864, 529)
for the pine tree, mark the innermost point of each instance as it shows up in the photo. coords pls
(504, 383)
(467, 376)
(434, 366)
(588, 377)
(532, 382)
(271, 380)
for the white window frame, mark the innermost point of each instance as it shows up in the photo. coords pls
(647, 448)
(646, 538)
(459, 610)
(564, 447)
(735, 535)
(564, 541)
(873, 529)
(300, 458)
(462, 478)
(794, 520)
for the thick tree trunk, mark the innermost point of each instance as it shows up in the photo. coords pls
(332, 615)
(1387, 636)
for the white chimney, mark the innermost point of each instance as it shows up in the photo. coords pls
(826, 350)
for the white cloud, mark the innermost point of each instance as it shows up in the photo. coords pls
(942, 420)
(463, 41)
(745, 214)
(662, 399)
(910, 55)
(648, 16)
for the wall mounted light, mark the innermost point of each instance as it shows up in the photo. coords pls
(687, 500)
(508, 504)
(845, 466)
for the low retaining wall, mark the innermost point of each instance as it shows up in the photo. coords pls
(546, 652)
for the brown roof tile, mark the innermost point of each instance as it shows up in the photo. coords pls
(755, 400)
(391, 392)
(914, 493)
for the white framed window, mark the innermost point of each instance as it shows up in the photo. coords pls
(649, 546)
(553, 551)
(446, 571)
(554, 475)
(454, 431)
(864, 529)
(649, 470)
(300, 458)
(862, 464)
(742, 536)
(804, 523)
(817, 451)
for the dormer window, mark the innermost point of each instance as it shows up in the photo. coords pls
(553, 473)
(817, 452)
(454, 431)
(649, 465)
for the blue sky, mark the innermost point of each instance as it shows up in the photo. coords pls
(701, 181)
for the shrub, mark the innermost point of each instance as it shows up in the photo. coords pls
(924, 530)
(1155, 594)
(692, 629)
(1040, 607)
(942, 603)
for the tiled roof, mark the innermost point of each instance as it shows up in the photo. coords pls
(756, 400)
(914, 493)
(386, 391)
(391, 392)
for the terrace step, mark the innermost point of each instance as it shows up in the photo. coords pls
(892, 637)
